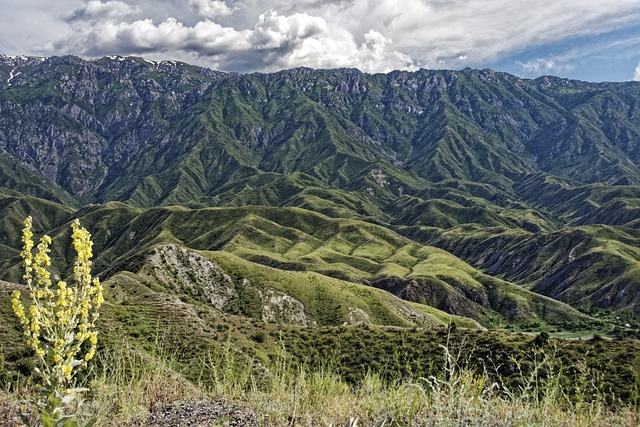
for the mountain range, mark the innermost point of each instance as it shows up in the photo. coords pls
(329, 196)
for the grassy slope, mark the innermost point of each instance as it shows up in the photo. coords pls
(299, 240)
(151, 325)
(586, 266)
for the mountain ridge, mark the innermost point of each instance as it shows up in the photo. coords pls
(470, 161)
(467, 107)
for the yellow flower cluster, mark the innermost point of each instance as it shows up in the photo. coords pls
(60, 319)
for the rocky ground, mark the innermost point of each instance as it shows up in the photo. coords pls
(180, 414)
(201, 414)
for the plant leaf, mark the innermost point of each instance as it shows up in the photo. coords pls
(68, 398)
(46, 419)
(72, 422)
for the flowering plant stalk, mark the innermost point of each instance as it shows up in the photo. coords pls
(59, 323)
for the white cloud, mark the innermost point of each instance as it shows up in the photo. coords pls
(98, 10)
(374, 35)
(636, 73)
(540, 66)
(486, 30)
(437, 32)
(274, 31)
(336, 48)
(276, 41)
(304, 40)
(205, 38)
(211, 8)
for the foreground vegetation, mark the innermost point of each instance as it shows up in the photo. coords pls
(157, 347)
(128, 383)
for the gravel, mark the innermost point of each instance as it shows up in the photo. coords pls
(201, 414)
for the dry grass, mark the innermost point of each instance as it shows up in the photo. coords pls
(131, 383)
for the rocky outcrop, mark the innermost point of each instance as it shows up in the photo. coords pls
(278, 307)
(187, 272)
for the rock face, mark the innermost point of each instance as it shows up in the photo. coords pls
(278, 307)
(357, 316)
(187, 272)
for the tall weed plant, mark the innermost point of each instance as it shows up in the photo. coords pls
(59, 324)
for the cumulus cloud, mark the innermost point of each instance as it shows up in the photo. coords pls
(211, 8)
(304, 40)
(373, 35)
(205, 38)
(276, 41)
(275, 31)
(98, 10)
(332, 48)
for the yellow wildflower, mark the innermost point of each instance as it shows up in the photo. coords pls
(94, 338)
(58, 321)
(90, 354)
(18, 308)
(67, 371)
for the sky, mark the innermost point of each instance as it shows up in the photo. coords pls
(593, 40)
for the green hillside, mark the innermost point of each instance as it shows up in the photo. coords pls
(513, 176)
(463, 241)
(345, 253)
